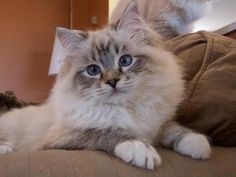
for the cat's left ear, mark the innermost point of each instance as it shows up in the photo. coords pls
(132, 21)
(71, 40)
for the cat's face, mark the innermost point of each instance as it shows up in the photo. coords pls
(109, 68)
(112, 65)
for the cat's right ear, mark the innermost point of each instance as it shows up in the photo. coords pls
(70, 40)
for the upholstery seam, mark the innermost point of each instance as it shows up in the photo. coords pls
(203, 68)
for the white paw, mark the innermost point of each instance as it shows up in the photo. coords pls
(194, 145)
(5, 149)
(139, 154)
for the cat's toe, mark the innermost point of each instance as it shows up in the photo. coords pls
(138, 154)
(5, 149)
(194, 145)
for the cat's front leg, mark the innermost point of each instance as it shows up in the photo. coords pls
(138, 153)
(185, 141)
(121, 142)
(118, 141)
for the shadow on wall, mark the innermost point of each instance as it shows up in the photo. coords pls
(35, 80)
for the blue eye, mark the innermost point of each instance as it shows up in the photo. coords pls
(93, 70)
(125, 60)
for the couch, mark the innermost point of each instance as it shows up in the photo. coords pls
(100, 164)
(209, 62)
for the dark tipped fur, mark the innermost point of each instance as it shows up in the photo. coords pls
(172, 133)
(93, 139)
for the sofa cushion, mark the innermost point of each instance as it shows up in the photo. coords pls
(209, 62)
(99, 164)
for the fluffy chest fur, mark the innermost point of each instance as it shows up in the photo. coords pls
(142, 117)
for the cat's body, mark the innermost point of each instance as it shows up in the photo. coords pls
(142, 113)
(117, 91)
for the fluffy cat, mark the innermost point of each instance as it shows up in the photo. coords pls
(168, 18)
(117, 92)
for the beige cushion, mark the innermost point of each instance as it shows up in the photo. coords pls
(100, 164)
(209, 62)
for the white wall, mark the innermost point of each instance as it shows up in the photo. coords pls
(223, 13)
(112, 5)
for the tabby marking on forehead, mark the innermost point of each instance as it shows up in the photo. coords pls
(103, 52)
(107, 60)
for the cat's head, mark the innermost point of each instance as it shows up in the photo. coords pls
(112, 65)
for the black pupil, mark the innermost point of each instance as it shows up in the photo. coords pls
(93, 70)
(125, 60)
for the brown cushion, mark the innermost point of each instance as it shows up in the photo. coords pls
(209, 62)
(100, 164)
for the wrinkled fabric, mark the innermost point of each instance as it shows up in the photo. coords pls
(209, 62)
